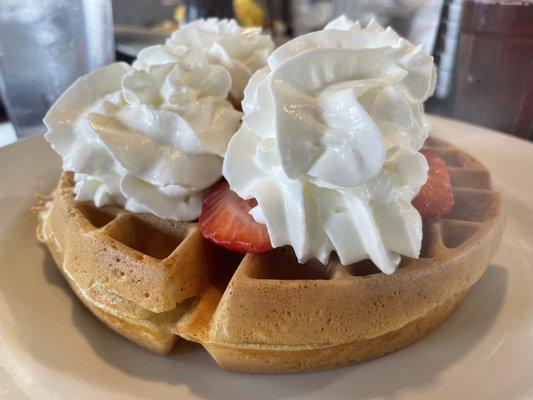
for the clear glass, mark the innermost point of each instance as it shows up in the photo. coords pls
(45, 45)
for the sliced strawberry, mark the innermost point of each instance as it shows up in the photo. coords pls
(225, 220)
(435, 198)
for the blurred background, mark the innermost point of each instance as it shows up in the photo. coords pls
(483, 49)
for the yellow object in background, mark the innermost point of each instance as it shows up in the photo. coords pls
(179, 13)
(249, 13)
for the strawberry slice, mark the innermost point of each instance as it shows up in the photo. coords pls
(435, 198)
(225, 220)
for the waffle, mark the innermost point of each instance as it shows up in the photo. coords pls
(154, 281)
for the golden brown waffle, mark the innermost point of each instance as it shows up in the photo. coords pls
(153, 281)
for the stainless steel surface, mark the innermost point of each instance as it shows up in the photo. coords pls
(130, 40)
(208, 8)
(445, 51)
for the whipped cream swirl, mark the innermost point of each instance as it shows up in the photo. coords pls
(149, 140)
(242, 51)
(329, 144)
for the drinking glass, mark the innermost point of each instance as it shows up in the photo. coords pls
(494, 85)
(45, 45)
(484, 55)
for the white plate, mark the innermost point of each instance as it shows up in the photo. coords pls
(52, 348)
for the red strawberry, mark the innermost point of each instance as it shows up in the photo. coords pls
(435, 198)
(225, 220)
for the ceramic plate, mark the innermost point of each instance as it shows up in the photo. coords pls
(52, 348)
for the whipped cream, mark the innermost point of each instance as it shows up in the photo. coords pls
(242, 51)
(149, 140)
(329, 144)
